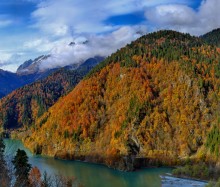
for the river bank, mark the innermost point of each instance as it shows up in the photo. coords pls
(95, 175)
(88, 174)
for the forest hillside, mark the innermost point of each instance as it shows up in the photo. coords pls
(157, 98)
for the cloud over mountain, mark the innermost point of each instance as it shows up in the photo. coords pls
(91, 45)
(48, 26)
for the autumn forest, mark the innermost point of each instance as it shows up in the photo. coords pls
(155, 102)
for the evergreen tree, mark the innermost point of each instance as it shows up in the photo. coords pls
(22, 168)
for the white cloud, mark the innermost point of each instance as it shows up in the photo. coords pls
(9, 59)
(186, 19)
(75, 20)
(171, 15)
(209, 15)
(85, 16)
(4, 57)
(70, 20)
(97, 45)
(38, 44)
(56, 23)
(13, 52)
(57, 17)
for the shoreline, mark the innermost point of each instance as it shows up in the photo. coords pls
(167, 179)
(115, 168)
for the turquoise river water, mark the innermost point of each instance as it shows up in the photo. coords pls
(90, 175)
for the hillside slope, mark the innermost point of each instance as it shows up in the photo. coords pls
(11, 81)
(23, 106)
(157, 99)
(213, 37)
(30, 72)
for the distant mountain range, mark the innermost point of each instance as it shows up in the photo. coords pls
(10, 81)
(31, 66)
(30, 72)
(24, 105)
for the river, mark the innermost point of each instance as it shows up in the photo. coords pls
(90, 175)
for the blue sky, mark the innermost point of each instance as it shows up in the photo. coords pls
(29, 28)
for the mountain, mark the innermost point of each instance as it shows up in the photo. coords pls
(213, 37)
(32, 66)
(30, 72)
(155, 101)
(24, 105)
(22, 67)
(11, 81)
(8, 82)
